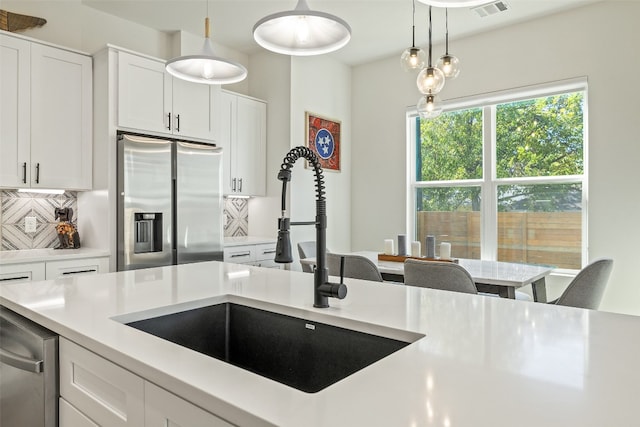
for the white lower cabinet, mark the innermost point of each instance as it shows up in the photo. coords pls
(101, 390)
(96, 392)
(260, 255)
(70, 416)
(76, 267)
(34, 271)
(17, 273)
(166, 409)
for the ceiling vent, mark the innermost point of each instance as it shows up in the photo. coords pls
(491, 8)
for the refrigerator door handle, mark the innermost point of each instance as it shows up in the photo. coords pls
(20, 362)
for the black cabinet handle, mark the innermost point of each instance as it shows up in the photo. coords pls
(24, 173)
(233, 184)
(240, 185)
(177, 122)
(169, 121)
(15, 278)
(37, 173)
(91, 270)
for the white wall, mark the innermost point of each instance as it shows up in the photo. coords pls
(74, 25)
(322, 86)
(595, 41)
(273, 83)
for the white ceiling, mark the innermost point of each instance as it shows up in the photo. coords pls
(380, 28)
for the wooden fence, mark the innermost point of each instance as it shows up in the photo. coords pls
(553, 238)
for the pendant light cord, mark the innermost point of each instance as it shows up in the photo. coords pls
(446, 38)
(413, 23)
(429, 36)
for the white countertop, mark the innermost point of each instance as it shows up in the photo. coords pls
(483, 362)
(247, 240)
(43, 255)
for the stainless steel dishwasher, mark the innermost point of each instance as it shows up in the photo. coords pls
(28, 373)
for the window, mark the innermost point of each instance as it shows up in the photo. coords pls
(504, 177)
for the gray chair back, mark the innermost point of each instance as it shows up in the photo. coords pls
(447, 276)
(587, 288)
(307, 250)
(355, 267)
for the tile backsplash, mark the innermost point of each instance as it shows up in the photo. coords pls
(236, 214)
(15, 207)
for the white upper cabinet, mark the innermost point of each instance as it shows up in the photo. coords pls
(61, 119)
(242, 133)
(45, 116)
(15, 89)
(150, 99)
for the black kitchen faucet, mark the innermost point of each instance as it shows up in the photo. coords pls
(323, 289)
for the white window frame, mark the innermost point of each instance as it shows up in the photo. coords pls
(489, 182)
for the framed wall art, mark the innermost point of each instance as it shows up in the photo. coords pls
(323, 138)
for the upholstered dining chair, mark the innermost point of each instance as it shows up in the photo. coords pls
(447, 276)
(307, 250)
(587, 288)
(355, 267)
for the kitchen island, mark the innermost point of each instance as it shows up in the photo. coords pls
(482, 361)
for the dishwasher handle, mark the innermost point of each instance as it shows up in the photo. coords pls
(20, 362)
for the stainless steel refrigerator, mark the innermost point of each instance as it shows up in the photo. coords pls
(170, 202)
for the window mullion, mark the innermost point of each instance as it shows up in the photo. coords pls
(489, 214)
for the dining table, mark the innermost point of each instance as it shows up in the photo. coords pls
(496, 277)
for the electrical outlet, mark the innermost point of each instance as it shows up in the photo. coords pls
(30, 224)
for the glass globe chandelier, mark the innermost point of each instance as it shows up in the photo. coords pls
(429, 106)
(430, 80)
(448, 64)
(413, 58)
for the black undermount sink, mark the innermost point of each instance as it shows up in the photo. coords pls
(303, 354)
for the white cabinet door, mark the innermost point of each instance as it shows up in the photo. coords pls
(250, 150)
(14, 112)
(150, 99)
(164, 409)
(226, 134)
(69, 416)
(242, 132)
(144, 94)
(61, 119)
(17, 273)
(192, 109)
(102, 391)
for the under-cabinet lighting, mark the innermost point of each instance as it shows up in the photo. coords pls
(40, 190)
(237, 197)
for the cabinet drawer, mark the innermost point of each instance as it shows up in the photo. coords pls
(265, 251)
(67, 268)
(16, 273)
(106, 393)
(240, 254)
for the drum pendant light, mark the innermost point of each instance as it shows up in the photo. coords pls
(302, 32)
(454, 3)
(206, 67)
